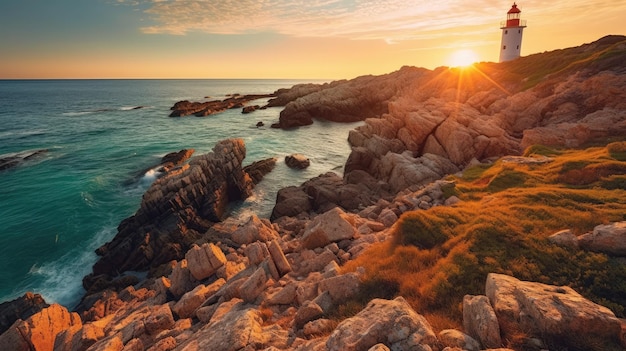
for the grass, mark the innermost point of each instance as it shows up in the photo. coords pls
(501, 225)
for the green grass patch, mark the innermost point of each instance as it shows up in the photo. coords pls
(541, 150)
(617, 150)
(475, 172)
(507, 178)
(501, 225)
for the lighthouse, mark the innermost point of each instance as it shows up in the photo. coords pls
(512, 30)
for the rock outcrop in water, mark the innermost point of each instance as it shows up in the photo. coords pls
(174, 212)
(203, 109)
(13, 160)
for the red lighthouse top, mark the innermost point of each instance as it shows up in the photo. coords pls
(514, 9)
(513, 16)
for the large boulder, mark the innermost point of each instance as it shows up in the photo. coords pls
(290, 202)
(254, 229)
(230, 330)
(298, 161)
(39, 331)
(548, 311)
(480, 321)
(390, 322)
(607, 238)
(203, 261)
(334, 225)
(20, 308)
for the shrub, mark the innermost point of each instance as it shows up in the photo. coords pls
(617, 150)
(541, 150)
(507, 178)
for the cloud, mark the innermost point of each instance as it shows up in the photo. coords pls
(390, 20)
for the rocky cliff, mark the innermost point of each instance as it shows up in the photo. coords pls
(291, 284)
(418, 121)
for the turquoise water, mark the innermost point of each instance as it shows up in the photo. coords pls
(55, 210)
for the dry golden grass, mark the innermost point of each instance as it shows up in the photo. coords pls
(501, 225)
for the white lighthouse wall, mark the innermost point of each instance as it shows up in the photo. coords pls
(511, 45)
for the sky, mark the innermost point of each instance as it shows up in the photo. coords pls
(301, 39)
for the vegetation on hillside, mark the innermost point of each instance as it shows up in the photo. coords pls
(506, 213)
(606, 53)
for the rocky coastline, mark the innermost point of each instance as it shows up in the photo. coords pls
(210, 283)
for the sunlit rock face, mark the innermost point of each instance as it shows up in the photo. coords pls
(175, 211)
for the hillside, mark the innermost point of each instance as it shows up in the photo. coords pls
(480, 208)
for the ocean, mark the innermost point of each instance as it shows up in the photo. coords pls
(58, 207)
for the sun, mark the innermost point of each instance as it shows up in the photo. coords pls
(463, 58)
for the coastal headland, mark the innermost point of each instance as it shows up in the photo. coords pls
(480, 208)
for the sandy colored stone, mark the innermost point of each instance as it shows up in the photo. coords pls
(607, 238)
(391, 322)
(203, 261)
(38, 332)
(548, 310)
(480, 321)
(333, 225)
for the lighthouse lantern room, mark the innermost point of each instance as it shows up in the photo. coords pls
(512, 30)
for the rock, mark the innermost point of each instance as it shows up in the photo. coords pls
(253, 286)
(284, 296)
(564, 238)
(607, 238)
(546, 310)
(181, 279)
(134, 345)
(8, 161)
(379, 347)
(159, 319)
(260, 124)
(257, 252)
(39, 331)
(317, 262)
(307, 312)
(189, 302)
(390, 322)
(203, 261)
(177, 158)
(176, 210)
(480, 321)
(341, 287)
(332, 226)
(279, 259)
(285, 96)
(232, 331)
(318, 327)
(290, 201)
(254, 229)
(78, 338)
(250, 109)
(298, 161)
(387, 217)
(201, 109)
(360, 98)
(454, 338)
(113, 343)
(20, 308)
(258, 169)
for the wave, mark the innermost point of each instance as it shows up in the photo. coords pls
(100, 110)
(21, 134)
(62, 279)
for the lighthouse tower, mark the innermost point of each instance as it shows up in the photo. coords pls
(512, 30)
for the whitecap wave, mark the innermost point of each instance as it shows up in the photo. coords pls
(62, 279)
(77, 113)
